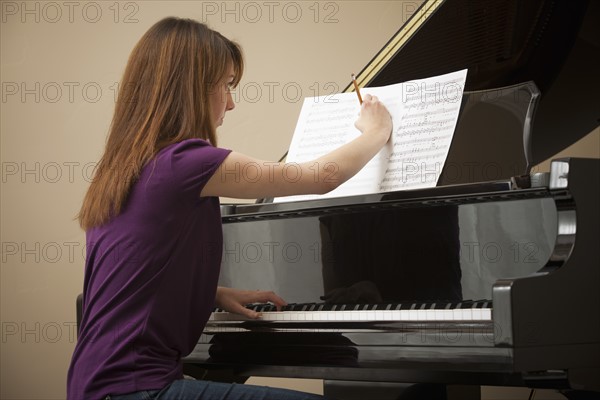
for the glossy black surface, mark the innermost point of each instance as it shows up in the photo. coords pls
(392, 251)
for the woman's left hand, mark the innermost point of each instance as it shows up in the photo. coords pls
(234, 300)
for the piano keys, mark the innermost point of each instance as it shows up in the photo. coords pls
(358, 313)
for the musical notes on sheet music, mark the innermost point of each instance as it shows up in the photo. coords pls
(324, 127)
(424, 134)
(424, 114)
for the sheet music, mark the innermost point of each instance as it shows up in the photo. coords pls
(424, 114)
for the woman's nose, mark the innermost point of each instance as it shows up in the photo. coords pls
(230, 103)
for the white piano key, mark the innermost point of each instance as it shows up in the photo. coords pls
(456, 314)
(486, 314)
(413, 315)
(467, 315)
(430, 315)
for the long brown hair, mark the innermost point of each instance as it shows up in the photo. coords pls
(163, 99)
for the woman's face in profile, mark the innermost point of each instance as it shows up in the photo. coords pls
(220, 98)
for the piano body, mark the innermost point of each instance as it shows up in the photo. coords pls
(490, 278)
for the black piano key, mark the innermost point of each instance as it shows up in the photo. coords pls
(466, 304)
(484, 303)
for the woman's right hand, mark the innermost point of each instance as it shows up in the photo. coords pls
(374, 119)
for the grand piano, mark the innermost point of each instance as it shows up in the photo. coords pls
(490, 278)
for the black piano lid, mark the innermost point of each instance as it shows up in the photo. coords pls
(553, 43)
(429, 197)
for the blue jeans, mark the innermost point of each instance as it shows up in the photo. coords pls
(189, 389)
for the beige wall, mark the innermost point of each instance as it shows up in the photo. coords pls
(60, 64)
(588, 146)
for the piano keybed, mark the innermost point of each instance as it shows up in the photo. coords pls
(320, 312)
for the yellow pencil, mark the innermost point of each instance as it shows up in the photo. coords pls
(357, 89)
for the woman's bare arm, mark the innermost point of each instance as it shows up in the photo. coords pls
(241, 176)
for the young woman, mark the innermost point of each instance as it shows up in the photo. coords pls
(152, 218)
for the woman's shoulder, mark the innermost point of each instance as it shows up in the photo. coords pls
(187, 144)
(191, 154)
(191, 148)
